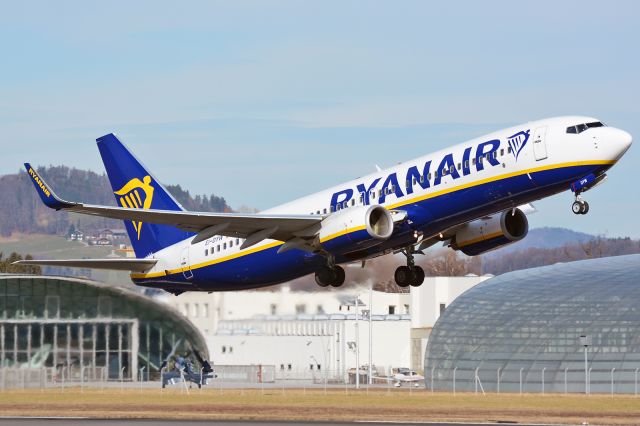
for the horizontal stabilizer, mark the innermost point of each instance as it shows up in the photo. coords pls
(133, 265)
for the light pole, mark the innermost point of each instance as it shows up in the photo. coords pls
(370, 380)
(357, 348)
(585, 341)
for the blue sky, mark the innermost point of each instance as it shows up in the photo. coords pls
(262, 102)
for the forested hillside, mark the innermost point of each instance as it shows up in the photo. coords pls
(21, 210)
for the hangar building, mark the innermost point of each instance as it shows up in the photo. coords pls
(522, 331)
(80, 327)
(312, 334)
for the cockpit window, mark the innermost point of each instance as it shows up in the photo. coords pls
(579, 128)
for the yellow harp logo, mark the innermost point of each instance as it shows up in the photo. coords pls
(136, 194)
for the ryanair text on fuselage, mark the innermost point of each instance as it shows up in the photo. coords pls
(486, 154)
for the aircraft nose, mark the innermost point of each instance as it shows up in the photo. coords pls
(622, 141)
(626, 139)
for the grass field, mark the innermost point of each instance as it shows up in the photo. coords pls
(298, 404)
(56, 247)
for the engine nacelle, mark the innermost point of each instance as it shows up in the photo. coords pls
(483, 235)
(355, 228)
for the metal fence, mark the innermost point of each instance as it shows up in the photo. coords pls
(533, 380)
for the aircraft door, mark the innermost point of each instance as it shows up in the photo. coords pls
(539, 143)
(184, 263)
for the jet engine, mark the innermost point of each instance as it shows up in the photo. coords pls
(483, 235)
(355, 228)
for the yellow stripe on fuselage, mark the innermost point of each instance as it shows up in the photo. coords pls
(389, 207)
(343, 232)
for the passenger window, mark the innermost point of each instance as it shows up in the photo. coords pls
(372, 194)
(324, 211)
(435, 174)
(331, 209)
(237, 241)
(414, 180)
(224, 246)
(429, 176)
(466, 164)
(495, 154)
(459, 166)
(473, 161)
(422, 179)
(501, 152)
(230, 243)
(353, 202)
(509, 150)
(345, 205)
(218, 247)
(480, 160)
(206, 252)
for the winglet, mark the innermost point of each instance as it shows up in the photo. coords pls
(48, 197)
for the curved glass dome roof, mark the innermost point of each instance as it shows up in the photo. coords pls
(77, 323)
(521, 331)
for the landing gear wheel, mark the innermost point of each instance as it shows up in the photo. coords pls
(403, 276)
(418, 276)
(325, 276)
(576, 207)
(585, 207)
(339, 277)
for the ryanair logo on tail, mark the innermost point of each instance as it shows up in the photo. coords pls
(136, 194)
(517, 142)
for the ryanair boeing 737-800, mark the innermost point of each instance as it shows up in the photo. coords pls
(470, 197)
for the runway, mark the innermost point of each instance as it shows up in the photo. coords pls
(76, 421)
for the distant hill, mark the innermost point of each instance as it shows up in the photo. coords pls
(21, 211)
(545, 238)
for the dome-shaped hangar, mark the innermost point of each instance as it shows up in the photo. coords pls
(89, 328)
(523, 330)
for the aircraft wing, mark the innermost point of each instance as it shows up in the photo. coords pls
(253, 227)
(134, 265)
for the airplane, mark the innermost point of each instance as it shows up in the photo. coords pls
(472, 197)
(405, 375)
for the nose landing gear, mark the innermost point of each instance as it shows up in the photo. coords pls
(580, 206)
(410, 275)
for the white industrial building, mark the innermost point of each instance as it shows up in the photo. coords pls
(311, 334)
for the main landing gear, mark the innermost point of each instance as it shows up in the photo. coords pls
(411, 274)
(580, 206)
(330, 275)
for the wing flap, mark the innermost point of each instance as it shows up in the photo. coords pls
(133, 265)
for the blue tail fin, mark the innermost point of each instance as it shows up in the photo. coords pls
(134, 187)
